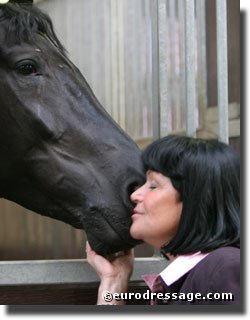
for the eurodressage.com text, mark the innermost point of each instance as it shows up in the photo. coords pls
(166, 296)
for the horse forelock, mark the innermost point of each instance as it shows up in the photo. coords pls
(25, 21)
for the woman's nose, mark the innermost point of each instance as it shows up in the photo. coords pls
(136, 196)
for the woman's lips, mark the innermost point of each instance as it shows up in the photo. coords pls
(136, 213)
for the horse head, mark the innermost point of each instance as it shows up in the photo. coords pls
(61, 154)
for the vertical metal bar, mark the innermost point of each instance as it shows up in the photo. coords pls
(222, 69)
(114, 55)
(134, 60)
(182, 72)
(121, 66)
(202, 60)
(155, 70)
(174, 50)
(190, 68)
(163, 81)
(155, 76)
(172, 39)
(107, 56)
(139, 57)
(147, 125)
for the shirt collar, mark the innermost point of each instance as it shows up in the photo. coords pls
(180, 266)
(175, 270)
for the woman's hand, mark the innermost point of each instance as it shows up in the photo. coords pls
(114, 274)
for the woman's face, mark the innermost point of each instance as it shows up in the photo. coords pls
(157, 213)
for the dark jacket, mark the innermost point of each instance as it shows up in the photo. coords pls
(217, 273)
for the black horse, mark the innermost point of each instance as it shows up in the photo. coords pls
(61, 154)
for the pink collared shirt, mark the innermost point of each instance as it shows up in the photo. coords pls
(173, 272)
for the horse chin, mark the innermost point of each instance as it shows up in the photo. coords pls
(106, 248)
(104, 237)
(104, 243)
(108, 238)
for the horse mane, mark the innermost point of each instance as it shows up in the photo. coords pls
(25, 21)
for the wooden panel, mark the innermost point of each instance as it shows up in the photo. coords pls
(110, 42)
(235, 144)
(26, 235)
(59, 295)
(46, 296)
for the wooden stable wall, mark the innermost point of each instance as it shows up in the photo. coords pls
(61, 295)
(234, 54)
(234, 61)
(25, 235)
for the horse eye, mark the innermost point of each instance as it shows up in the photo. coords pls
(26, 69)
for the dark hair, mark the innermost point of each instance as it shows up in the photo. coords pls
(207, 175)
(25, 21)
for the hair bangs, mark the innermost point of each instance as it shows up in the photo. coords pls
(164, 156)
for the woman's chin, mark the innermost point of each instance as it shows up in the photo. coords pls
(134, 234)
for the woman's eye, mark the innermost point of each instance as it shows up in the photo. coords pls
(26, 68)
(152, 186)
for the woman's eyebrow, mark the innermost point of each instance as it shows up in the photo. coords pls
(151, 177)
(149, 172)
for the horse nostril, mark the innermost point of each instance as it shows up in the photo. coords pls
(132, 187)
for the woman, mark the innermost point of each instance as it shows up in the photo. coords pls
(189, 207)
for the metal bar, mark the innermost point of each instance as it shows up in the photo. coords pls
(222, 69)
(66, 272)
(121, 66)
(147, 125)
(174, 50)
(202, 61)
(156, 7)
(190, 68)
(163, 72)
(182, 74)
(114, 59)
(107, 56)
(155, 70)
